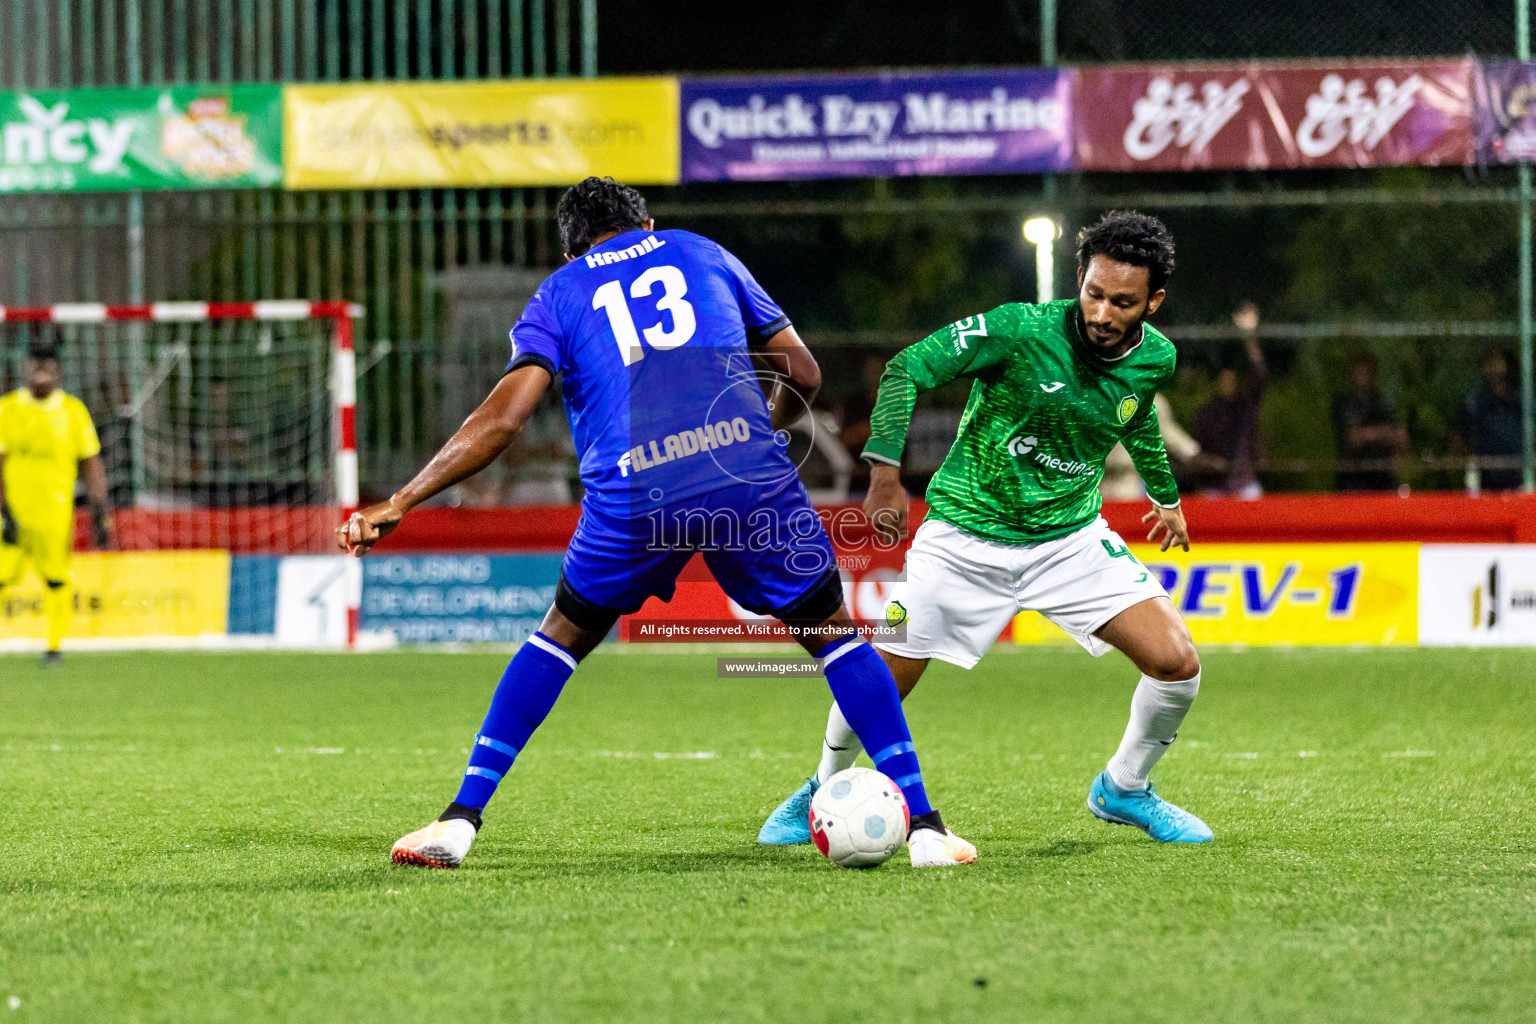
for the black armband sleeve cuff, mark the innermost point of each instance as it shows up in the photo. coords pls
(760, 335)
(532, 359)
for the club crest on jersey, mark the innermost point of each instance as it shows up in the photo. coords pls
(1127, 408)
(895, 614)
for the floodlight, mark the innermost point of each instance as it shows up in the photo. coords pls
(1042, 232)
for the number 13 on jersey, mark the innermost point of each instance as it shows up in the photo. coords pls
(610, 298)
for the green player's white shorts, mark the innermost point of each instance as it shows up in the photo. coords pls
(960, 592)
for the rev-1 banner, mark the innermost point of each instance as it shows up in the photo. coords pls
(1345, 114)
(835, 126)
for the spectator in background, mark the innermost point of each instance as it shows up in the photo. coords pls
(1367, 428)
(1227, 425)
(853, 411)
(852, 414)
(535, 470)
(929, 438)
(1489, 424)
(1121, 481)
(544, 459)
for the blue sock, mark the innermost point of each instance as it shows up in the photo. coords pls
(527, 691)
(867, 694)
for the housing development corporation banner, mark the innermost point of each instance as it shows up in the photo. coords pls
(833, 126)
(447, 134)
(95, 140)
(1173, 117)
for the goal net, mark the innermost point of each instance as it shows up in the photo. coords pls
(227, 430)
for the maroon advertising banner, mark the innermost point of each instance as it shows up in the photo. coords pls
(1220, 116)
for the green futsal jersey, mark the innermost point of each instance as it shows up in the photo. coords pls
(1045, 411)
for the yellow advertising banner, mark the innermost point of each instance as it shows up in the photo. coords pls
(1281, 593)
(523, 132)
(129, 594)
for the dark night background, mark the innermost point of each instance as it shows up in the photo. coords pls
(929, 256)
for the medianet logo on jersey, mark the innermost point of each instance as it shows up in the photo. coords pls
(1021, 447)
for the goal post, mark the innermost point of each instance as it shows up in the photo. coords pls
(226, 427)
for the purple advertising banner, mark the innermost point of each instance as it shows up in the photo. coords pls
(879, 125)
(1504, 111)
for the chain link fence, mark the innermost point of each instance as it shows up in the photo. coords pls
(396, 251)
(1145, 30)
(1416, 266)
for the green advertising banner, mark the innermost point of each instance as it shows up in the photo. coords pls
(111, 140)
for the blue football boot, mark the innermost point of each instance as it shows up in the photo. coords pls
(1147, 811)
(790, 822)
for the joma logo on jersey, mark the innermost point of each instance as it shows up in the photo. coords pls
(683, 444)
(1020, 447)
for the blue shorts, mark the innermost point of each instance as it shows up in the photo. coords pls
(764, 544)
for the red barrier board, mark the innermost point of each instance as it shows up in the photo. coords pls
(1300, 518)
(1273, 115)
(1437, 518)
(1447, 518)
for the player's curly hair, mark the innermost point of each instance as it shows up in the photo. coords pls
(594, 206)
(1126, 236)
(43, 351)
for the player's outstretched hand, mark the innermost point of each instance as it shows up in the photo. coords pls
(886, 504)
(367, 527)
(1171, 520)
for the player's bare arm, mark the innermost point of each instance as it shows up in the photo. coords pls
(887, 504)
(487, 433)
(797, 378)
(95, 473)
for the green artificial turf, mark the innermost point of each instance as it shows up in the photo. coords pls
(193, 837)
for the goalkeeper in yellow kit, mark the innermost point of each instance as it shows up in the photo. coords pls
(46, 440)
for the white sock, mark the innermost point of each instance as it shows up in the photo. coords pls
(1157, 709)
(839, 748)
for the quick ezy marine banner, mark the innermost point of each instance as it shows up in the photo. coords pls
(877, 125)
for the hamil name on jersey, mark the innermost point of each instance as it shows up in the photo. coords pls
(598, 259)
(683, 444)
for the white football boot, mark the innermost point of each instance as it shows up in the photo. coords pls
(933, 849)
(442, 844)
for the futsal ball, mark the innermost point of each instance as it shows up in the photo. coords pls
(859, 818)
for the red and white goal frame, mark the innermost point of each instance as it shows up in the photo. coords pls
(343, 384)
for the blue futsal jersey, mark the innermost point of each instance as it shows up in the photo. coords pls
(651, 332)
